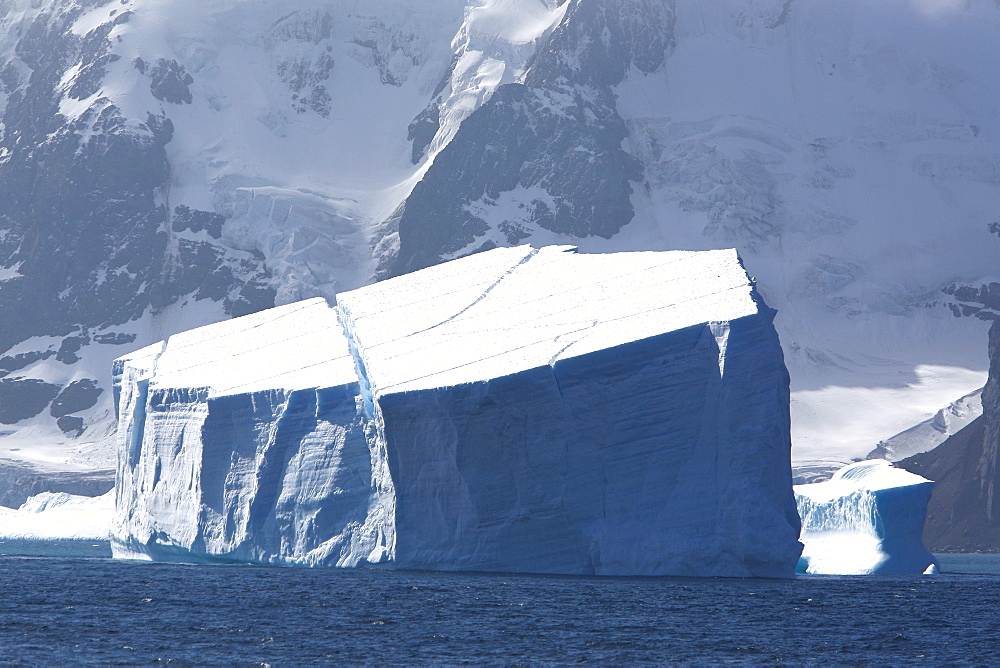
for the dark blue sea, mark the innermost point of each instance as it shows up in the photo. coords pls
(59, 610)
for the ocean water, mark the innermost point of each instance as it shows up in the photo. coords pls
(58, 610)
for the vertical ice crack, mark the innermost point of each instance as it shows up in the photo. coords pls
(364, 382)
(139, 397)
(720, 330)
(375, 540)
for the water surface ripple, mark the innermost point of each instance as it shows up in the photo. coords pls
(61, 610)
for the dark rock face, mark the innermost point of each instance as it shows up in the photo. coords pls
(70, 424)
(186, 218)
(168, 81)
(115, 338)
(71, 345)
(77, 396)
(82, 217)
(23, 398)
(980, 301)
(964, 511)
(422, 130)
(10, 363)
(207, 271)
(72, 208)
(557, 132)
(306, 73)
(989, 463)
(956, 515)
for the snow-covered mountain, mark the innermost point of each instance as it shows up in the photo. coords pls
(167, 164)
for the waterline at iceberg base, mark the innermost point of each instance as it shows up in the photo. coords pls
(868, 518)
(521, 409)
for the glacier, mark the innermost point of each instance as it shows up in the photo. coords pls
(868, 518)
(521, 409)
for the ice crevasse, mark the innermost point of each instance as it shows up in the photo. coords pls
(520, 409)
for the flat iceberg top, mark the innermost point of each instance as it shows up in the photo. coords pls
(295, 346)
(511, 309)
(872, 475)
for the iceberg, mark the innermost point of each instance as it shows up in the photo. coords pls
(59, 516)
(868, 518)
(521, 410)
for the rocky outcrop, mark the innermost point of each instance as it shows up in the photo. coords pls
(964, 512)
(85, 237)
(541, 154)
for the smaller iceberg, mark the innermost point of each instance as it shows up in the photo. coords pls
(868, 518)
(59, 516)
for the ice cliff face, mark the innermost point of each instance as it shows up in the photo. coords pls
(522, 409)
(868, 518)
(166, 164)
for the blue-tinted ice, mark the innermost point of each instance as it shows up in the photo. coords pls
(531, 410)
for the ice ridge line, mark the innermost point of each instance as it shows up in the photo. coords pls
(364, 381)
(488, 290)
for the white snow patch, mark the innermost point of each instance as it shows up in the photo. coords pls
(11, 272)
(493, 47)
(853, 419)
(227, 359)
(407, 346)
(96, 17)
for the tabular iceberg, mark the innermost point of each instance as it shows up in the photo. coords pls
(868, 518)
(59, 516)
(521, 409)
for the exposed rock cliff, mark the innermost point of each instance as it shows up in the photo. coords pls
(964, 511)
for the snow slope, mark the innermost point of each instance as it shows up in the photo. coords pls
(849, 149)
(521, 409)
(933, 432)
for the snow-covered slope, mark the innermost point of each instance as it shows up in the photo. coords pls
(166, 164)
(933, 432)
(521, 409)
(868, 518)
